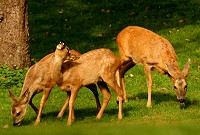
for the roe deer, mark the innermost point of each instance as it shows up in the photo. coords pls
(39, 78)
(138, 45)
(101, 66)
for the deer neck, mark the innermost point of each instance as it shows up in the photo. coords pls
(57, 69)
(25, 97)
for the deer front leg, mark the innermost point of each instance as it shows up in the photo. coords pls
(62, 111)
(72, 99)
(147, 70)
(32, 105)
(42, 103)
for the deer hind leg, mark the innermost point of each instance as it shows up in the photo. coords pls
(110, 80)
(126, 65)
(106, 97)
(62, 111)
(93, 88)
(42, 103)
(147, 70)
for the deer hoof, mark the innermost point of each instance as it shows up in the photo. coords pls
(149, 106)
(37, 122)
(69, 123)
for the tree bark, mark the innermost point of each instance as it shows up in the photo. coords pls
(14, 33)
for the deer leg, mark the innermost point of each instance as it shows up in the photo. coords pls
(32, 105)
(72, 99)
(62, 111)
(93, 88)
(122, 70)
(42, 103)
(110, 80)
(147, 70)
(119, 92)
(106, 97)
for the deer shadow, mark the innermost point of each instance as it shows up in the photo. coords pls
(159, 97)
(45, 117)
(80, 114)
(89, 112)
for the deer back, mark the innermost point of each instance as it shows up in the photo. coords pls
(146, 47)
(90, 67)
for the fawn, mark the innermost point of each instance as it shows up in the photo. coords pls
(39, 78)
(101, 66)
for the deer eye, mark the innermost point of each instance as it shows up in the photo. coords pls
(185, 87)
(175, 87)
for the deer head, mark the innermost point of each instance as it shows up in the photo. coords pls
(180, 85)
(62, 51)
(19, 107)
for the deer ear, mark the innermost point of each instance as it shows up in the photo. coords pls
(73, 57)
(67, 48)
(171, 71)
(186, 68)
(12, 97)
(25, 97)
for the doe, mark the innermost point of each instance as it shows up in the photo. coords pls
(137, 45)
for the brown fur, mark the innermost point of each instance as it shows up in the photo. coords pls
(141, 46)
(39, 78)
(99, 66)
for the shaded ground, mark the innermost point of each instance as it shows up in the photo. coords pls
(87, 25)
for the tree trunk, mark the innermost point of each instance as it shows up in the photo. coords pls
(14, 33)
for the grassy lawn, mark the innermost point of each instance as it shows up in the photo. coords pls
(85, 25)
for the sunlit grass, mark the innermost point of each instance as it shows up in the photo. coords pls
(85, 25)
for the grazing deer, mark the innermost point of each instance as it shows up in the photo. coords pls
(138, 45)
(39, 78)
(101, 66)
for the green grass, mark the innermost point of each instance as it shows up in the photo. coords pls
(85, 25)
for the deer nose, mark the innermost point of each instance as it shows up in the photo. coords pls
(181, 100)
(16, 124)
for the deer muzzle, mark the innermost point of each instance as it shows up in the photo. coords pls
(17, 124)
(181, 100)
